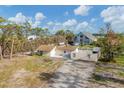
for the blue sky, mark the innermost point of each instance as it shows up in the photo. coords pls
(75, 18)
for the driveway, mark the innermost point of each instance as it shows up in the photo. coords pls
(73, 74)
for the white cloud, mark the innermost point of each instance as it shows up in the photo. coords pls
(93, 20)
(82, 10)
(36, 24)
(66, 13)
(50, 23)
(115, 16)
(83, 26)
(70, 22)
(39, 16)
(18, 19)
(21, 19)
(54, 26)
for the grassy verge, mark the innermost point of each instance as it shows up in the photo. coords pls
(86, 46)
(113, 69)
(26, 71)
(120, 60)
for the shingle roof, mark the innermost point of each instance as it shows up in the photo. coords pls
(89, 35)
(66, 48)
(46, 48)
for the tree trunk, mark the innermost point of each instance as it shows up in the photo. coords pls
(11, 52)
(1, 56)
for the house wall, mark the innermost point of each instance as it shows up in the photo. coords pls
(84, 55)
(83, 39)
(53, 52)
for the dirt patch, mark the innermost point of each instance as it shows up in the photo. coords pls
(18, 78)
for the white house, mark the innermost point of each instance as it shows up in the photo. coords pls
(71, 52)
(86, 54)
(46, 50)
(32, 37)
(56, 51)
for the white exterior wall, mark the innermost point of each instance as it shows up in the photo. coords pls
(83, 55)
(53, 52)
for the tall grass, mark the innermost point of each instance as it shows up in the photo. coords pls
(33, 66)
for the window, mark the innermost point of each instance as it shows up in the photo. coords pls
(64, 51)
(74, 55)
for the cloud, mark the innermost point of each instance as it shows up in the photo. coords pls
(66, 13)
(82, 25)
(36, 24)
(82, 10)
(18, 19)
(50, 23)
(93, 20)
(21, 19)
(39, 16)
(70, 22)
(115, 16)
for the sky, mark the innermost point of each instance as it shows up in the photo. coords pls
(68, 17)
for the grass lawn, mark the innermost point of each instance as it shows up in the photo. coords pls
(112, 68)
(27, 71)
(120, 60)
(86, 46)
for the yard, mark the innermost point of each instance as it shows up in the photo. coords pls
(110, 74)
(27, 71)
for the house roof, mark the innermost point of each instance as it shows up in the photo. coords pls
(66, 48)
(89, 35)
(46, 48)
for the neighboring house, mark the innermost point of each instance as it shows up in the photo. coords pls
(32, 37)
(84, 38)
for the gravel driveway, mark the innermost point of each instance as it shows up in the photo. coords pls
(73, 74)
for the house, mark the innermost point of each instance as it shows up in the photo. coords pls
(69, 52)
(32, 37)
(55, 51)
(86, 54)
(64, 51)
(45, 50)
(84, 38)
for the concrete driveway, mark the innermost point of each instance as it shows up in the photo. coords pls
(73, 74)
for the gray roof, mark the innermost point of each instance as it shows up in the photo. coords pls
(89, 35)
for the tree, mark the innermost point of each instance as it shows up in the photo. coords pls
(60, 32)
(69, 36)
(60, 36)
(1, 21)
(110, 45)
